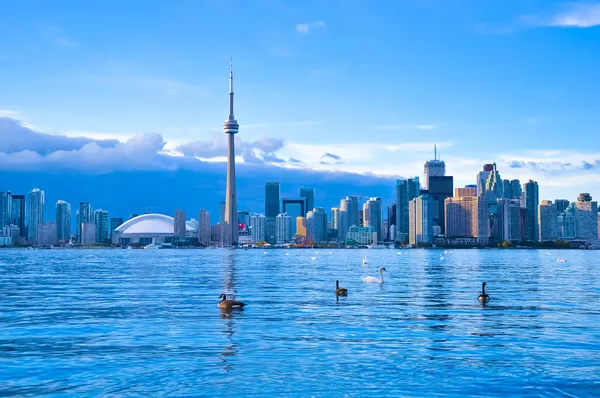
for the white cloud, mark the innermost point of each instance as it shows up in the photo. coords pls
(581, 15)
(305, 28)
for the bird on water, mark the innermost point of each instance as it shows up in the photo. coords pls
(340, 291)
(483, 297)
(229, 304)
(372, 279)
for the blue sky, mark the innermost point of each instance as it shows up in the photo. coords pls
(374, 83)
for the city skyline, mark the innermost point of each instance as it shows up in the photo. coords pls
(305, 107)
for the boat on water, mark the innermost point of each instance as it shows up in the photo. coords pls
(151, 246)
(375, 245)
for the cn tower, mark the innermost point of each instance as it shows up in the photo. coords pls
(231, 128)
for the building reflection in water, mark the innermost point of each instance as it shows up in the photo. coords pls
(230, 349)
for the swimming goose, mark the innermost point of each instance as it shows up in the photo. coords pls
(372, 279)
(229, 304)
(483, 297)
(340, 291)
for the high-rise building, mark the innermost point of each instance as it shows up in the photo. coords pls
(35, 214)
(258, 228)
(204, 227)
(85, 217)
(19, 215)
(547, 221)
(406, 190)
(63, 221)
(335, 218)
(420, 219)
(434, 168)
(493, 185)
(300, 228)
(512, 189)
(464, 192)
(392, 218)
(284, 228)
(509, 220)
(114, 224)
(586, 217)
(5, 208)
(349, 216)
(372, 211)
(222, 212)
(316, 222)
(482, 177)
(309, 195)
(561, 205)
(179, 224)
(531, 201)
(440, 188)
(220, 234)
(231, 128)
(566, 223)
(294, 207)
(101, 220)
(47, 234)
(271, 209)
(467, 216)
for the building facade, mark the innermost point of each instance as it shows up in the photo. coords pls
(531, 201)
(101, 220)
(586, 217)
(35, 214)
(85, 216)
(547, 221)
(179, 227)
(316, 223)
(361, 235)
(467, 217)
(272, 209)
(420, 211)
(406, 190)
(258, 226)
(509, 220)
(19, 214)
(63, 221)
(372, 210)
(349, 216)
(284, 228)
(5, 208)
(47, 234)
(308, 194)
(440, 188)
(204, 227)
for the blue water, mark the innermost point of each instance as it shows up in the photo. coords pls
(146, 322)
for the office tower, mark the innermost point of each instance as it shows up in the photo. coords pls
(406, 190)
(464, 192)
(348, 216)
(309, 195)
(63, 221)
(467, 216)
(222, 212)
(294, 207)
(392, 218)
(35, 214)
(316, 222)
(85, 217)
(392, 233)
(284, 228)
(434, 168)
(101, 221)
(482, 177)
(586, 217)
(204, 227)
(179, 224)
(5, 208)
(561, 205)
(493, 185)
(547, 221)
(114, 224)
(440, 188)
(19, 214)
(516, 191)
(258, 228)
(231, 128)
(509, 220)
(47, 234)
(271, 209)
(420, 219)
(335, 218)
(372, 211)
(300, 228)
(531, 202)
(566, 223)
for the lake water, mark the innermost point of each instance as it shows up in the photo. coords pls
(146, 322)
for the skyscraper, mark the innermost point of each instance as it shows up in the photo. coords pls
(19, 214)
(63, 221)
(204, 226)
(114, 223)
(420, 219)
(35, 214)
(348, 215)
(440, 188)
(5, 208)
(392, 220)
(309, 195)
(284, 228)
(47, 234)
(482, 177)
(566, 223)
(85, 217)
(531, 202)
(406, 190)
(434, 168)
(509, 220)
(316, 222)
(561, 205)
(101, 220)
(586, 217)
(467, 216)
(231, 128)
(335, 218)
(372, 216)
(547, 221)
(294, 207)
(271, 209)
(464, 192)
(257, 228)
(494, 187)
(179, 224)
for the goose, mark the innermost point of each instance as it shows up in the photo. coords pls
(229, 304)
(340, 291)
(372, 279)
(483, 297)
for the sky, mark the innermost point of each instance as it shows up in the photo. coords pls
(324, 88)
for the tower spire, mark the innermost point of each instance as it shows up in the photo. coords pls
(434, 151)
(231, 89)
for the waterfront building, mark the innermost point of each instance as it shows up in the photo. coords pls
(335, 218)
(144, 229)
(482, 177)
(284, 228)
(561, 205)
(372, 211)
(316, 222)
(63, 221)
(464, 192)
(567, 224)
(220, 234)
(231, 128)
(101, 221)
(19, 214)
(179, 226)
(467, 217)
(349, 215)
(531, 202)
(434, 168)
(114, 224)
(12, 232)
(406, 190)
(35, 214)
(204, 227)
(86, 216)
(47, 234)
(272, 189)
(309, 196)
(361, 235)
(547, 221)
(258, 228)
(420, 216)
(586, 217)
(392, 233)
(392, 218)
(300, 229)
(509, 220)
(5, 208)
(440, 188)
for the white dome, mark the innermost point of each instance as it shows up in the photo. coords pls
(149, 224)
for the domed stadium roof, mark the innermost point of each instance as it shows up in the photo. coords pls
(149, 224)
